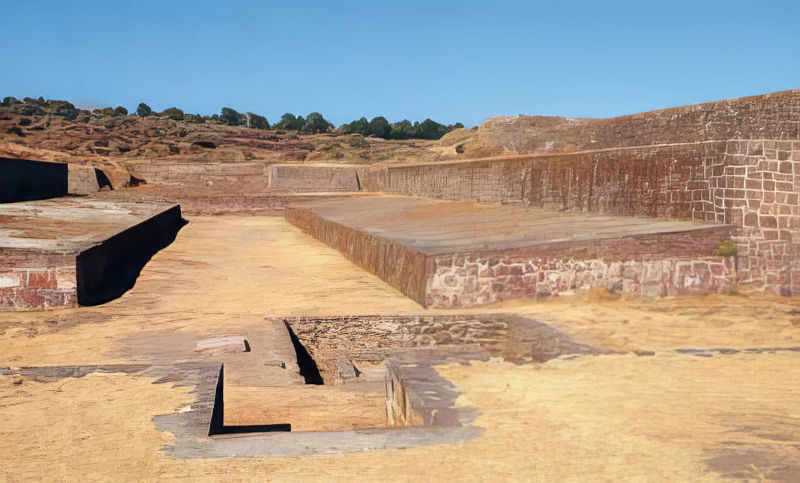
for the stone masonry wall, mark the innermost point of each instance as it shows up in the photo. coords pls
(653, 181)
(31, 280)
(756, 187)
(400, 267)
(769, 116)
(751, 184)
(313, 178)
(469, 281)
(649, 265)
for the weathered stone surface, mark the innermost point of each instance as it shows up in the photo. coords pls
(223, 344)
(314, 177)
(736, 182)
(65, 251)
(463, 254)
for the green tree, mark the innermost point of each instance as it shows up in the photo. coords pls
(290, 122)
(380, 127)
(256, 122)
(143, 110)
(173, 113)
(120, 111)
(431, 130)
(231, 117)
(315, 123)
(359, 126)
(402, 130)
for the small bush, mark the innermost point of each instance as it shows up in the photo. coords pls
(726, 249)
(173, 113)
(731, 290)
(256, 122)
(231, 117)
(120, 111)
(143, 110)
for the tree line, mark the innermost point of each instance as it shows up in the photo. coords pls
(381, 128)
(310, 124)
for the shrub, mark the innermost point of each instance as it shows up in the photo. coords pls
(726, 249)
(143, 110)
(10, 101)
(231, 117)
(256, 122)
(120, 111)
(173, 113)
(731, 290)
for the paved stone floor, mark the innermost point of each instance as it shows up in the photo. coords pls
(704, 388)
(69, 224)
(437, 227)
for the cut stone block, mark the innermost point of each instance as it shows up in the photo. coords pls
(222, 345)
(68, 251)
(451, 254)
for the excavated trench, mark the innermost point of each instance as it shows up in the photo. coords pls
(378, 372)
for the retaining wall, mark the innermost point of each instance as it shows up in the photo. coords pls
(751, 184)
(23, 180)
(652, 265)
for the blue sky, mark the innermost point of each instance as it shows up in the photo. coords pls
(449, 60)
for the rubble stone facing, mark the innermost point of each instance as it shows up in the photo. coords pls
(753, 184)
(467, 281)
(756, 186)
(33, 280)
(666, 263)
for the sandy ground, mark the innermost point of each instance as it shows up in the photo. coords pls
(669, 416)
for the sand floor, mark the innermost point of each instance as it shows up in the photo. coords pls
(668, 416)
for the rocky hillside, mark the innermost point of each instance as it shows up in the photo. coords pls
(56, 131)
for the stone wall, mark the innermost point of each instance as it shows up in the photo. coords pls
(477, 281)
(231, 177)
(656, 181)
(653, 264)
(756, 187)
(751, 184)
(40, 279)
(23, 180)
(313, 177)
(649, 265)
(401, 267)
(770, 116)
(33, 280)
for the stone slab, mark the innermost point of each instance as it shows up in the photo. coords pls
(457, 254)
(64, 251)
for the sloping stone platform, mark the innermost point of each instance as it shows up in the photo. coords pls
(449, 254)
(67, 251)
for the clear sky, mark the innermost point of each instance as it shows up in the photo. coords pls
(447, 60)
